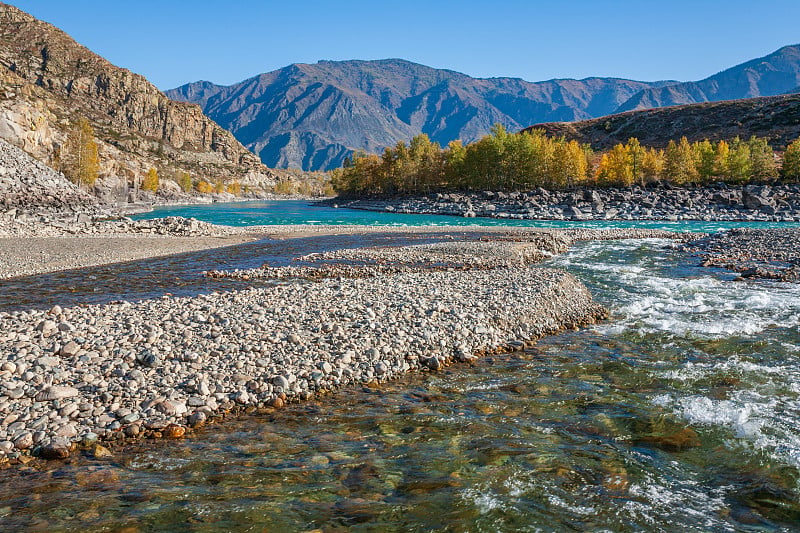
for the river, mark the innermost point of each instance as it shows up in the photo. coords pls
(680, 413)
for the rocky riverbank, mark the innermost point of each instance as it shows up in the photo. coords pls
(71, 377)
(753, 253)
(718, 203)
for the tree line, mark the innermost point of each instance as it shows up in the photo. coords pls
(523, 161)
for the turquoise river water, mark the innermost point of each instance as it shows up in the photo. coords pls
(680, 413)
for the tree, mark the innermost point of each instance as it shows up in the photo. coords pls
(679, 162)
(80, 159)
(636, 155)
(616, 168)
(653, 164)
(722, 156)
(762, 159)
(706, 156)
(150, 182)
(235, 188)
(739, 161)
(791, 162)
(184, 180)
(204, 187)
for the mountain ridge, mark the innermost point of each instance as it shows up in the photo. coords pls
(311, 115)
(770, 75)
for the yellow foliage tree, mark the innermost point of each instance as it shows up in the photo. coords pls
(204, 187)
(79, 158)
(150, 182)
(234, 188)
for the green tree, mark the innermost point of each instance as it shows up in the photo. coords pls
(790, 170)
(762, 159)
(184, 180)
(739, 170)
(150, 182)
(705, 155)
(80, 160)
(636, 154)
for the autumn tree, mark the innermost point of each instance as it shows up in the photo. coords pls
(184, 180)
(722, 156)
(204, 187)
(652, 165)
(791, 161)
(80, 160)
(679, 162)
(636, 154)
(762, 159)
(615, 168)
(150, 182)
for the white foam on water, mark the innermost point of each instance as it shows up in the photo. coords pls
(577, 509)
(483, 499)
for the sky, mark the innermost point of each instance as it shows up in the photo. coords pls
(172, 43)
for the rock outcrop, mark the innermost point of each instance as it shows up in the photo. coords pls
(48, 82)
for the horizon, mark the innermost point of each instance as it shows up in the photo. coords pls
(185, 46)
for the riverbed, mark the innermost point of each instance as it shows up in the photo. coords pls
(677, 414)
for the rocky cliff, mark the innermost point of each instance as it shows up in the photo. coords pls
(775, 117)
(314, 116)
(48, 82)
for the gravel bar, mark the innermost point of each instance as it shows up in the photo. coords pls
(754, 253)
(158, 367)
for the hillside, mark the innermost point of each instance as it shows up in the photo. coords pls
(314, 116)
(774, 74)
(774, 117)
(48, 82)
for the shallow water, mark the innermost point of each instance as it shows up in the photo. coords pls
(679, 414)
(182, 274)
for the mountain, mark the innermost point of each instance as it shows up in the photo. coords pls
(313, 116)
(48, 82)
(774, 74)
(774, 117)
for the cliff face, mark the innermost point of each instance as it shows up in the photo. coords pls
(48, 81)
(775, 117)
(314, 116)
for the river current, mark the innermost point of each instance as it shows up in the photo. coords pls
(680, 413)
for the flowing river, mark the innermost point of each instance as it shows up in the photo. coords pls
(680, 413)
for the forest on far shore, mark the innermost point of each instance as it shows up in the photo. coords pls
(504, 161)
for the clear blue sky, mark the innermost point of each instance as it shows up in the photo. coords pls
(173, 42)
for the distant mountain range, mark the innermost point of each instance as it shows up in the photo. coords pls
(313, 116)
